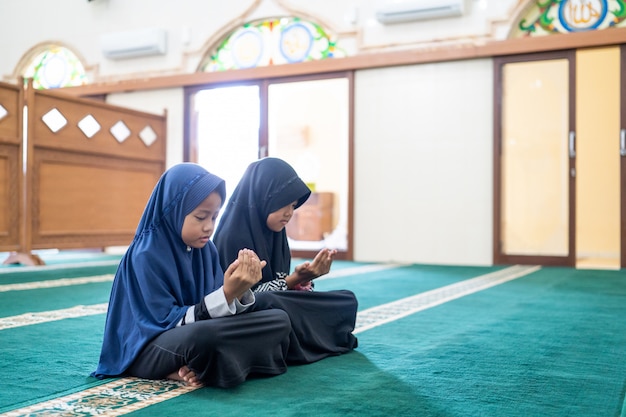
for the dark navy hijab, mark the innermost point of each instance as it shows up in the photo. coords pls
(159, 277)
(267, 185)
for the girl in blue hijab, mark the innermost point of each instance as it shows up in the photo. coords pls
(258, 211)
(173, 311)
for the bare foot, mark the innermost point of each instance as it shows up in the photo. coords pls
(185, 374)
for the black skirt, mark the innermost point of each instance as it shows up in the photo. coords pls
(280, 328)
(321, 322)
(223, 352)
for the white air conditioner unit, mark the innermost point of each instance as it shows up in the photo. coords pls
(132, 44)
(413, 10)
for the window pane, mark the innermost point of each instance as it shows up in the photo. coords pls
(56, 67)
(228, 131)
(306, 120)
(273, 42)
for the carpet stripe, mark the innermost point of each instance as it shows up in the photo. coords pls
(366, 319)
(28, 319)
(62, 282)
(116, 398)
(339, 273)
(79, 311)
(379, 315)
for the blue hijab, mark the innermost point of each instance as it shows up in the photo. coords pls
(159, 277)
(267, 185)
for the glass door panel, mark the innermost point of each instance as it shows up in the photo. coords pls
(228, 120)
(597, 158)
(534, 194)
(308, 126)
(304, 121)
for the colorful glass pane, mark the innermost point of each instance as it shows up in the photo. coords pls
(565, 16)
(56, 67)
(273, 42)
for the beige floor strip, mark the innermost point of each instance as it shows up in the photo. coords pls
(28, 319)
(115, 398)
(357, 270)
(379, 315)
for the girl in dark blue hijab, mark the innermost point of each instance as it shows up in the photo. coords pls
(173, 311)
(258, 211)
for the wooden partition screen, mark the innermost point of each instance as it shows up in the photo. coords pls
(11, 178)
(90, 169)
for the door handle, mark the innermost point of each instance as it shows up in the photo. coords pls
(622, 142)
(572, 145)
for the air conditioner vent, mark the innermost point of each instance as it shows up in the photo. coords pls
(415, 10)
(133, 44)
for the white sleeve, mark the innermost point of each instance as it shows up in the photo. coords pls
(246, 301)
(217, 306)
(214, 305)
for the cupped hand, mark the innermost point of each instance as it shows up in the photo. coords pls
(242, 274)
(319, 266)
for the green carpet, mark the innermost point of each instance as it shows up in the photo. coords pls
(551, 343)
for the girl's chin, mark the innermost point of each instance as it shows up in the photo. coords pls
(199, 244)
(277, 229)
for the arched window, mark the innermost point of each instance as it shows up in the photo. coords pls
(545, 17)
(275, 41)
(54, 67)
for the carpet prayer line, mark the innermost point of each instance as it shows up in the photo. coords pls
(116, 398)
(53, 283)
(395, 310)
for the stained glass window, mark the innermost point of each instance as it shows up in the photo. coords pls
(56, 67)
(546, 17)
(272, 42)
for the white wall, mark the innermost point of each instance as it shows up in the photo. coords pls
(423, 139)
(423, 164)
(193, 27)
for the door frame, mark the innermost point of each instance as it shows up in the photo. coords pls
(498, 256)
(190, 144)
(622, 157)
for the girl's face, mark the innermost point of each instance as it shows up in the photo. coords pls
(199, 225)
(278, 219)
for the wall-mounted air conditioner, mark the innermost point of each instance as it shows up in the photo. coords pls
(413, 10)
(132, 44)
